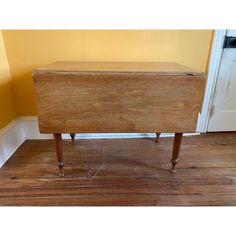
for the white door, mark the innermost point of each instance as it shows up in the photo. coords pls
(223, 110)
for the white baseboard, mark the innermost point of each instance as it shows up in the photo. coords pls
(15, 133)
(11, 137)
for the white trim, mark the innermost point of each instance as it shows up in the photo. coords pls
(8, 127)
(214, 65)
(31, 130)
(16, 132)
(11, 137)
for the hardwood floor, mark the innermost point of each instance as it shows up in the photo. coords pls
(123, 172)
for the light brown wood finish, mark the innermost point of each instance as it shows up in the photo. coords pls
(119, 172)
(159, 68)
(98, 97)
(115, 101)
(157, 137)
(59, 152)
(176, 149)
(72, 135)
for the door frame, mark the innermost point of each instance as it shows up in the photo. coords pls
(213, 70)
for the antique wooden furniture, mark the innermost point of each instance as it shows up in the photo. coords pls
(119, 97)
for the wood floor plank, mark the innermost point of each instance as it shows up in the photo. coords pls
(123, 200)
(125, 172)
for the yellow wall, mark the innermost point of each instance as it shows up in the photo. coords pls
(27, 50)
(7, 109)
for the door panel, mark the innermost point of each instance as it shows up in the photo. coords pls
(223, 111)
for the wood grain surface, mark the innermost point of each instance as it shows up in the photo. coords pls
(159, 68)
(117, 97)
(123, 172)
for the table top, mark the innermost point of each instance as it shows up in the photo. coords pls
(159, 68)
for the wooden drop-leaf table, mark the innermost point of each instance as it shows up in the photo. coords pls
(115, 97)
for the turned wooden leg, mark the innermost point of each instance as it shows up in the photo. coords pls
(59, 152)
(157, 137)
(176, 148)
(72, 135)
